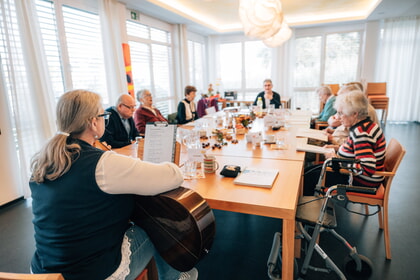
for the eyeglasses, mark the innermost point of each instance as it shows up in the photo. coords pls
(129, 107)
(105, 115)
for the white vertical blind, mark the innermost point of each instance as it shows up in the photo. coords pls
(151, 63)
(85, 51)
(47, 23)
(196, 64)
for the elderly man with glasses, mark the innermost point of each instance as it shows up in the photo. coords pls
(121, 130)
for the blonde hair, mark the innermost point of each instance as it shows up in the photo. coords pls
(74, 110)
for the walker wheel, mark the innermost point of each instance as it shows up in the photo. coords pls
(351, 271)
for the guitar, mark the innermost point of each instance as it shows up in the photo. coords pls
(180, 224)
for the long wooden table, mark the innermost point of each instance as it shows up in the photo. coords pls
(265, 150)
(278, 202)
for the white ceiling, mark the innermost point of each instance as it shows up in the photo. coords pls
(221, 16)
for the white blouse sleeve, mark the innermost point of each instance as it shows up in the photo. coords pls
(119, 174)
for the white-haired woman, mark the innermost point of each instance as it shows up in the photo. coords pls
(366, 142)
(146, 113)
(82, 199)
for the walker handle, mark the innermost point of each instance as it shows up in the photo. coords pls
(357, 189)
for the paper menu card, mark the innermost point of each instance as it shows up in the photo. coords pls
(257, 177)
(313, 148)
(159, 143)
(312, 133)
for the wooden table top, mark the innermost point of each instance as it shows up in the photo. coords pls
(268, 151)
(278, 202)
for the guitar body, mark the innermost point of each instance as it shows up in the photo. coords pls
(180, 224)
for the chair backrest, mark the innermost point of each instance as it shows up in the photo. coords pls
(22, 276)
(98, 144)
(172, 118)
(334, 88)
(375, 89)
(393, 157)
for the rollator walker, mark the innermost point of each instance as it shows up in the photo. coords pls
(317, 214)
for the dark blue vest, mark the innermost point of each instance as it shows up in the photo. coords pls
(78, 228)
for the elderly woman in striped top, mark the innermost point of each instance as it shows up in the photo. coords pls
(366, 142)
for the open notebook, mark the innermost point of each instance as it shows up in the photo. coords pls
(257, 177)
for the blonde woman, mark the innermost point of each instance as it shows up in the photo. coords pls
(82, 200)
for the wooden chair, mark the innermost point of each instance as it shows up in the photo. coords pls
(334, 87)
(321, 125)
(172, 118)
(393, 157)
(23, 276)
(376, 93)
(149, 273)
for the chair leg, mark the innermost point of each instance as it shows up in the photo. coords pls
(367, 209)
(381, 218)
(387, 239)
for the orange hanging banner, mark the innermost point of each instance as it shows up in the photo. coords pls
(127, 64)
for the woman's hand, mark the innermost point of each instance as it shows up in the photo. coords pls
(334, 121)
(331, 153)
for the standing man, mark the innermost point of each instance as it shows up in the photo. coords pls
(269, 96)
(121, 130)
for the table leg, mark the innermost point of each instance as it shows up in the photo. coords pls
(288, 248)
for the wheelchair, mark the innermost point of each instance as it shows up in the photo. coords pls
(316, 214)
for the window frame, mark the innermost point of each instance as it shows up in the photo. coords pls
(243, 92)
(155, 24)
(324, 32)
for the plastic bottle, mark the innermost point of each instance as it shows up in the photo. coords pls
(259, 107)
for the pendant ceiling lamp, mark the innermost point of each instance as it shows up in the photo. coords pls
(280, 37)
(263, 19)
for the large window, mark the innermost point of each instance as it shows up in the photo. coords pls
(243, 67)
(324, 59)
(76, 59)
(308, 61)
(196, 62)
(151, 61)
(47, 22)
(342, 58)
(85, 51)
